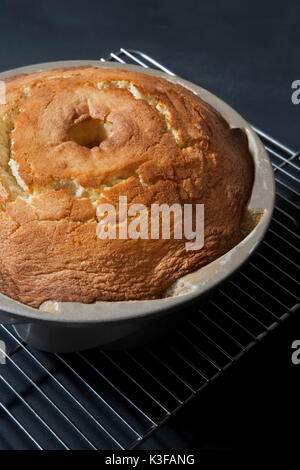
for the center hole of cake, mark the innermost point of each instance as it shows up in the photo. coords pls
(89, 133)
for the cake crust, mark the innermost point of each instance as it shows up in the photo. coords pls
(150, 140)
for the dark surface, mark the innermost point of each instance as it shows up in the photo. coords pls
(248, 54)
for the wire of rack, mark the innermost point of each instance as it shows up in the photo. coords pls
(110, 400)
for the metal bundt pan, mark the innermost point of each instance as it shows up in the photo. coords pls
(74, 326)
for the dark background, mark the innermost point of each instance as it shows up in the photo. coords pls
(248, 54)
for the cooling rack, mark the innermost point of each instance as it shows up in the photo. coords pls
(111, 400)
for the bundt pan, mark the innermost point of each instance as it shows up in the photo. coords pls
(68, 326)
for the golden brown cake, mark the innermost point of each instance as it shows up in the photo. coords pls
(71, 139)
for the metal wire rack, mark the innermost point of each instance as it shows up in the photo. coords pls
(111, 400)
